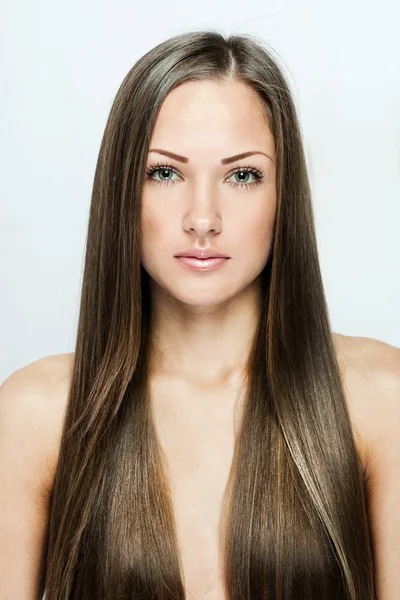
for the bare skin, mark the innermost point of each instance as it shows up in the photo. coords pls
(204, 322)
(203, 327)
(198, 443)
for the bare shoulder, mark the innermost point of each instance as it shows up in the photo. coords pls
(370, 371)
(372, 376)
(33, 400)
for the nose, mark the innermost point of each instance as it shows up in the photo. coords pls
(202, 226)
(203, 216)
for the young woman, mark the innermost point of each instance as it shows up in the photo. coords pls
(210, 434)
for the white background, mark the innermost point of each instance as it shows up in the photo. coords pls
(61, 66)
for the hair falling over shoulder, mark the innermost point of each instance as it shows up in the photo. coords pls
(295, 511)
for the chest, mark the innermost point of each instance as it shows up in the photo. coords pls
(196, 431)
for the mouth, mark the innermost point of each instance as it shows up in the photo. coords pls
(202, 264)
(201, 254)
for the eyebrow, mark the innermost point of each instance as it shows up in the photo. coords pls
(224, 161)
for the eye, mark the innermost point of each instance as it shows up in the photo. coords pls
(245, 172)
(164, 170)
(166, 173)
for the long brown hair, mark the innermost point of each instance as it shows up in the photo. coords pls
(295, 511)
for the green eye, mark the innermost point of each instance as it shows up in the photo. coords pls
(165, 170)
(256, 174)
(161, 169)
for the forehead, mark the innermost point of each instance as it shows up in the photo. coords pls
(212, 114)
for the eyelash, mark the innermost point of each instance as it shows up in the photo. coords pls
(247, 169)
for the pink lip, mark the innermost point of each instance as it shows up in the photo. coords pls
(202, 264)
(205, 253)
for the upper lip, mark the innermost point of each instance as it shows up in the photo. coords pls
(206, 253)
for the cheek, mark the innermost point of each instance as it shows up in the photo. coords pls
(151, 219)
(256, 231)
(157, 226)
(151, 227)
(251, 229)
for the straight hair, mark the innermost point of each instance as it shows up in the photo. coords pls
(295, 522)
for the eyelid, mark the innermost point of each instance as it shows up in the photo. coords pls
(159, 165)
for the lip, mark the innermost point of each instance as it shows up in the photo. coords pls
(205, 253)
(202, 264)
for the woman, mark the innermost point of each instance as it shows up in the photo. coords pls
(206, 444)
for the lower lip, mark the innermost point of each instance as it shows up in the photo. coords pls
(202, 264)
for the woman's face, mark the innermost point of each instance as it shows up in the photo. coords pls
(199, 202)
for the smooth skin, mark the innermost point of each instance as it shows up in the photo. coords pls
(204, 323)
